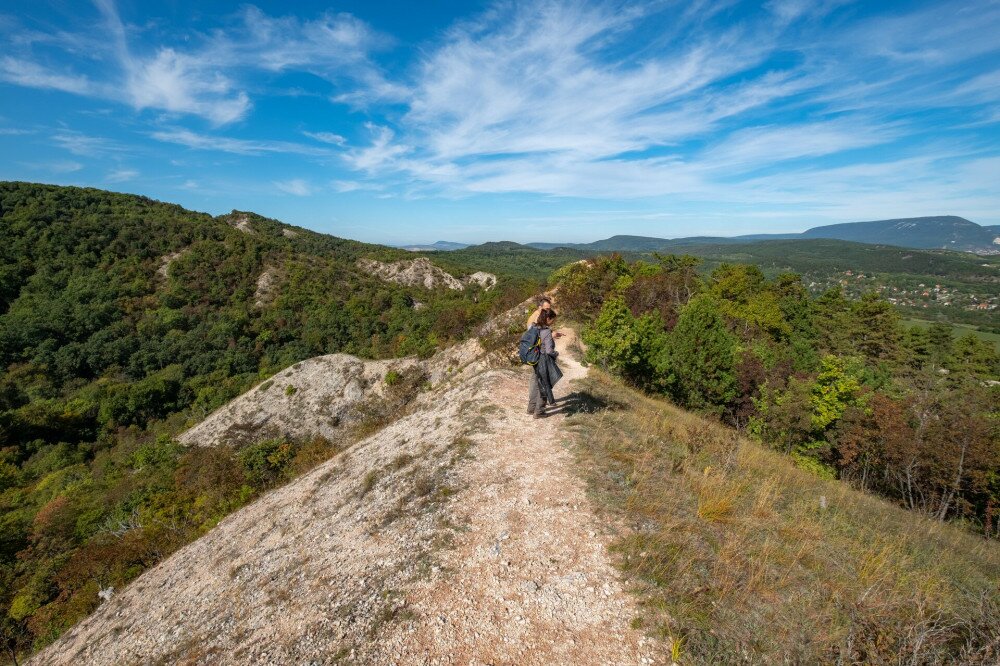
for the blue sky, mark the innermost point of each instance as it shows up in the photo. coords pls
(527, 121)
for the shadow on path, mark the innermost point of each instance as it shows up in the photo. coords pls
(581, 402)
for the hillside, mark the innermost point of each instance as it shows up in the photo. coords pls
(123, 321)
(971, 283)
(458, 533)
(464, 531)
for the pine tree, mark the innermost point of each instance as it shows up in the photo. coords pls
(698, 364)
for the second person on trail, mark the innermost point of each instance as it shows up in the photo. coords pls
(545, 373)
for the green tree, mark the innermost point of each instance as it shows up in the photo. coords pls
(940, 343)
(876, 329)
(745, 298)
(697, 365)
(974, 356)
(625, 344)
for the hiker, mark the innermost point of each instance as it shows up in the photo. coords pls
(545, 373)
(544, 303)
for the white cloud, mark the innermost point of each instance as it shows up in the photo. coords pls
(33, 75)
(173, 81)
(553, 98)
(343, 186)
(380, 154)
(204, 75)
(231, 145)
(322, 45)
(327, 137)
(56, 166)
(295, 186)
(180, 83)
(570, 99)
(121, 175)
(85, 145)
(757, 147)
(65, 166)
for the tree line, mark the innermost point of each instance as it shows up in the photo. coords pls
(838, 385)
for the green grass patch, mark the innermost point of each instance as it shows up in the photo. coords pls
(957, 330)
(737, 556)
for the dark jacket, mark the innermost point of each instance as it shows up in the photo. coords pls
(546, 370)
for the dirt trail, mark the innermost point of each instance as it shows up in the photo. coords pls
(530, 581)
(457, 535)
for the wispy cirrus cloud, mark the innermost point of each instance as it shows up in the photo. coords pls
(56, 166)
(575, 100)
(121, 175)
(757, 147)
(33, 75)
(232, 145)
(327, 137)
(296, 186)
(206, 74)
(15, 131)
(85, 145)
(784, 108)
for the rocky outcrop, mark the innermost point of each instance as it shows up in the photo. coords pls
(318, 397)
(485, 280)
(241, 222)
(267, 284)
(163, 269)
(422, 273)
(415, 273)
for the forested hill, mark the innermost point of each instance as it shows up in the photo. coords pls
(81, 266)
(124, 320)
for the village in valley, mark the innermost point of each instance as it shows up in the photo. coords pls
(906, 294)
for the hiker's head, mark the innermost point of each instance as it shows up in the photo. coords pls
(545, 317)
(545, 303)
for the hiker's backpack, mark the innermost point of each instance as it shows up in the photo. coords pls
(529, 349)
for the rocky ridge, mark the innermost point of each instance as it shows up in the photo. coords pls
(318, 397)
(456, 535)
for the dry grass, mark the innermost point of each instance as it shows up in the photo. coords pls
(739, 557)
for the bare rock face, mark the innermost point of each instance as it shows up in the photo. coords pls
(414, 273)
(422, 273)
(485, 280)
(241, 222)
(163, 269)
(267, 282)
(317, 397)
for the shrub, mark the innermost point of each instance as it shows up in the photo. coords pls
(265, 462)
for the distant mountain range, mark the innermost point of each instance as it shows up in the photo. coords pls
(947, 232)
(439, 246)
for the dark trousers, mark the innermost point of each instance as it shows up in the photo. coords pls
(536, 402)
